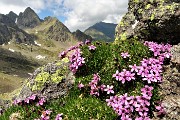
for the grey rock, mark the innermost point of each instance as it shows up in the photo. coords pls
(28, 19)
(153, 20)
(49, 90)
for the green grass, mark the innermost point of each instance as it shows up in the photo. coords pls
(74, 107)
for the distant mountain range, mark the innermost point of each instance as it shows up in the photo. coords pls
(102, 31)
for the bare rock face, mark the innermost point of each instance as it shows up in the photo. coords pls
(28, 19)
(153, 20)
(51, 81)
(9, 30)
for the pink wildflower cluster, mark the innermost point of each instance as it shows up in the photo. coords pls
(30, 99)
(46, 115)
(160, 50)
(150, 70)
(41, 102)
(160, 110)
(94, 85)
(124, 76)
(124, 106)
(76, 60)
(26, 101)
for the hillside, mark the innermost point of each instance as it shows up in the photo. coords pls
(102, 31)
(81, 36)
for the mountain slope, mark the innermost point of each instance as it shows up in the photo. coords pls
(80, 36)
(102, 31)
(9, 30)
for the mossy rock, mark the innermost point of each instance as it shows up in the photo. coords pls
(51, 81)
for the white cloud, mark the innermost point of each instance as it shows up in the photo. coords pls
(18, 6)
(79, 14)
(84, 13)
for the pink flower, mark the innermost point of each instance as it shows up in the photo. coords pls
(59, 117)
(160, 109)
(80, 85)
(125, 54)
(48, 112)
(17, 101)
(109, 89)
(134, 68)
(26, 100)
(32, 97)
(63, 54)
(41, 102)
(87, 42)
(102, 87)
(92, 47)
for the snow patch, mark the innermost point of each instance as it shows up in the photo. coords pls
(11, 50)
(135, 24)
(37, 43)
(9, 43)
(40, 57)
(30, 74)
(3, 44)
(16, 21)
(36, 32)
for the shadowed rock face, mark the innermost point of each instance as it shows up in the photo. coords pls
(13, 16)
(28, 19)
(9, 30)
(153, 20)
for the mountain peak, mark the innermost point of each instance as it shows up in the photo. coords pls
(102, 30)
(28, 19)
(12, 15)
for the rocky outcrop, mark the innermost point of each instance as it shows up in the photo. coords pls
(28, 19)
(51, 81)
(10, 31)
(80, 36)
(153, 20)
(13, 16)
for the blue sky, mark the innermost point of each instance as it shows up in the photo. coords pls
(75, 14)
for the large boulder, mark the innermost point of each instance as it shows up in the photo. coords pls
(153, 20)
(51, 81)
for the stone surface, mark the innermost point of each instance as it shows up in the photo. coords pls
(153, 20)
(49, 89)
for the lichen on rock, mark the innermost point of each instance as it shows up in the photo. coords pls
(159, 18)
(51, 81)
